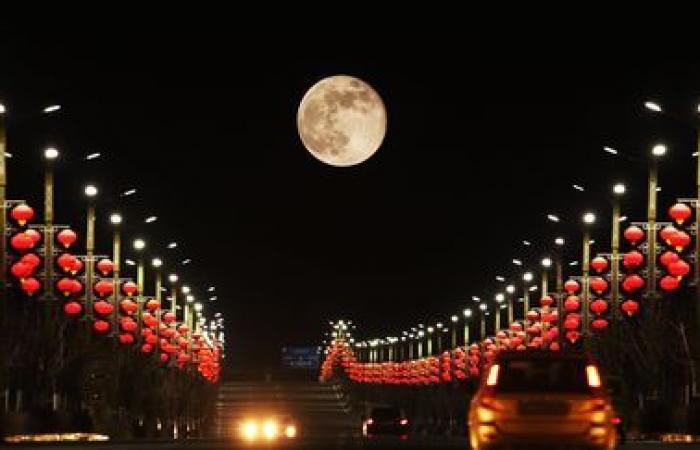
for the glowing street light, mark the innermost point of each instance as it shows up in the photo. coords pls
(139, 244)
(619, 189)
(156, 262)
(151, 219)
(610, 150)
(500, 298)
(517, 262)
(653, 106)
(589, 218)
(546, 262)
(51, 153)
(467, 313)
(173, 278)
(527, 277)
(658, 150)
(91, 190)
(186, 289)
(172, 245)
(559, 241)
(500, 278)
(115, 219)
(51, 108)
(198, 307)
(553, 218)
(510, 289)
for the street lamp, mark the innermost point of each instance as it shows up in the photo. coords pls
(173, 278)
(50, 154)
(467, 313)
(157, 263)
(185, 289)
(139, 244)
(559, 241)
(589, 219)
(653, 106)
(116, 219)
(90, 192)
(658, 151)
(619, 190)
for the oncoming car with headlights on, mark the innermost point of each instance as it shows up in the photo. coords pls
(267, 428)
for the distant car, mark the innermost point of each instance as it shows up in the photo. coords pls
(541, 399)
(268, 427)
(386, 420)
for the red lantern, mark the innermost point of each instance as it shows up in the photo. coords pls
(666, 233)
(31, 259)
(30, 286)
(679, 268)
(152, 339)
(104, 288)
(152, 304)
(679, 240)
(103, 308)
(554, 346)
(126, 338)
(632, 283)
(22, 214)
(128, 306)
(72, 308)
(21, 270)
(65, 285)
(164, 357)
(183, 344)
(546, 301)
(66, 262)
(634, 234)
(680, 212)
(130, 288)
(632, 260)
(599, 264)
(146, 348)
(599, 324)
(168, 317)
(599, 306)
(572, 287)
(573, 336)
(669, 284)
(515, 326)
(77, 266)
(572, 323)
(532, 315)
(183, 329)
(572, 304)
(105, 266)
(34, 235)
(100, 326)
(668, 257)
(128, 324)
(21, 242)
(76, 287)
(598, 285)
(630, 307)
(66, 238)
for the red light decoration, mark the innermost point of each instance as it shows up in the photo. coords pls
(104, 288)
(599, 306)
(679, 268)
(633, 234)
(66, 238)
(130, 288)
(30, 286)
(666, 233)
(680, 212)
(105, 266)
(668, 257)
(169, 317)
(128, 306)
(572, 287)
(669, 283)
(573, 336)
(572, 322)
(632, 283)
(146, 348)
(599, 264)
(679, 240)
(532, 315)
(65, 285)
(599, 324)
(32, 259)
(103, 308)
(630, 307)
(126, 338)
(128, 324)
(598, 285)
(152, 304)
(66, 262)
(572, 304)
(34, 235)
(516, 326)
(164, 358)
(632, 260)
(152, 339)
(21, 270)
(183, 329)
(22, 214)
(72, 308)
(21, 242)
(100, 326)
(546, 301)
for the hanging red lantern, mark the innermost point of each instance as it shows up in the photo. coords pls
(680, 212)
(103, 308)
(100, 326)
(630, 307)
(104, 288)
(532, 315)
(679, 268)
(598, 285)
(21, 242)
(546, 301)
(183, 329)
(126, 338)
(168, 317)
(128, 306)
(516, 326)
(183, 344)
(669, 284)
(72, 308)
(666, 233)
(21, 270)
(77, 266)
(668, 257)
(573, 336)
(76, 287)
(634, 234)
(32, 259)
(66, 262)
(632, 260)
(152, 339)
(30, 286)
(105, 266)
(572, 287)
(152, 304)
(632, 283)
(146, 348)
(599, 264)
(22, 214)
(599, 306)
(572, 323)
(34, 235)
(554, 346)
(679, 240)
(572, 304)
(130, 288)
(65, 285)
(128, 324)
(164, 357)
(599, 324)
(66, 238)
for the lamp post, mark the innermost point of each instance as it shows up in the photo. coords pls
(657, 152)
(172, 278)
(559, 242)
(510, 290)
(50, 155)
(90, 193)
(116, 220)
(157, 263)
(618, 191)
(467, 313)
(421, 334)
(482, 329)
(139, 245)
(3, 213)
(589, 219)
(546, 265)
(500, 298)
(430, 340)
(527, 278)
(454, 320)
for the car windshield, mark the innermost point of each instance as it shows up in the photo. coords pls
(543, 375)
(386, 413)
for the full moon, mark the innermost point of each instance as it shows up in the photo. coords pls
(341, 120)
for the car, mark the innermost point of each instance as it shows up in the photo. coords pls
(546, 399)
(385, 420)
(268, 427)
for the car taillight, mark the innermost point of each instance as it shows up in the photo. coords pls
(593, 376)
(492, 379)
(403, 421)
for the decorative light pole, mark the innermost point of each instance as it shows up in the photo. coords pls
(430, 340)
(157, 263)
(500, 298)
(116, 220)
(467, 313)
(172, 278)
(3, 213)
(510, 290)
(657, 152)
(90, 193)
(618, 191)
(527, 278)
(482, 329)
(559, 242)
(588, 220)
(139, 245)
(454, 320)
(50, 155)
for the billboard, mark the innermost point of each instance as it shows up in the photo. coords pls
(301, 357)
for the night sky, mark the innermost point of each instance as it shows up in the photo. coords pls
(479, 148)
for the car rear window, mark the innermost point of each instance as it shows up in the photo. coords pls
(386, 413)
(543, 375)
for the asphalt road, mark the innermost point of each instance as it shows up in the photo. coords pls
(310, 444)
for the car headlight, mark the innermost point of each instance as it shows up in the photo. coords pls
(249, 430)
(290, 431)
(269, 429)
